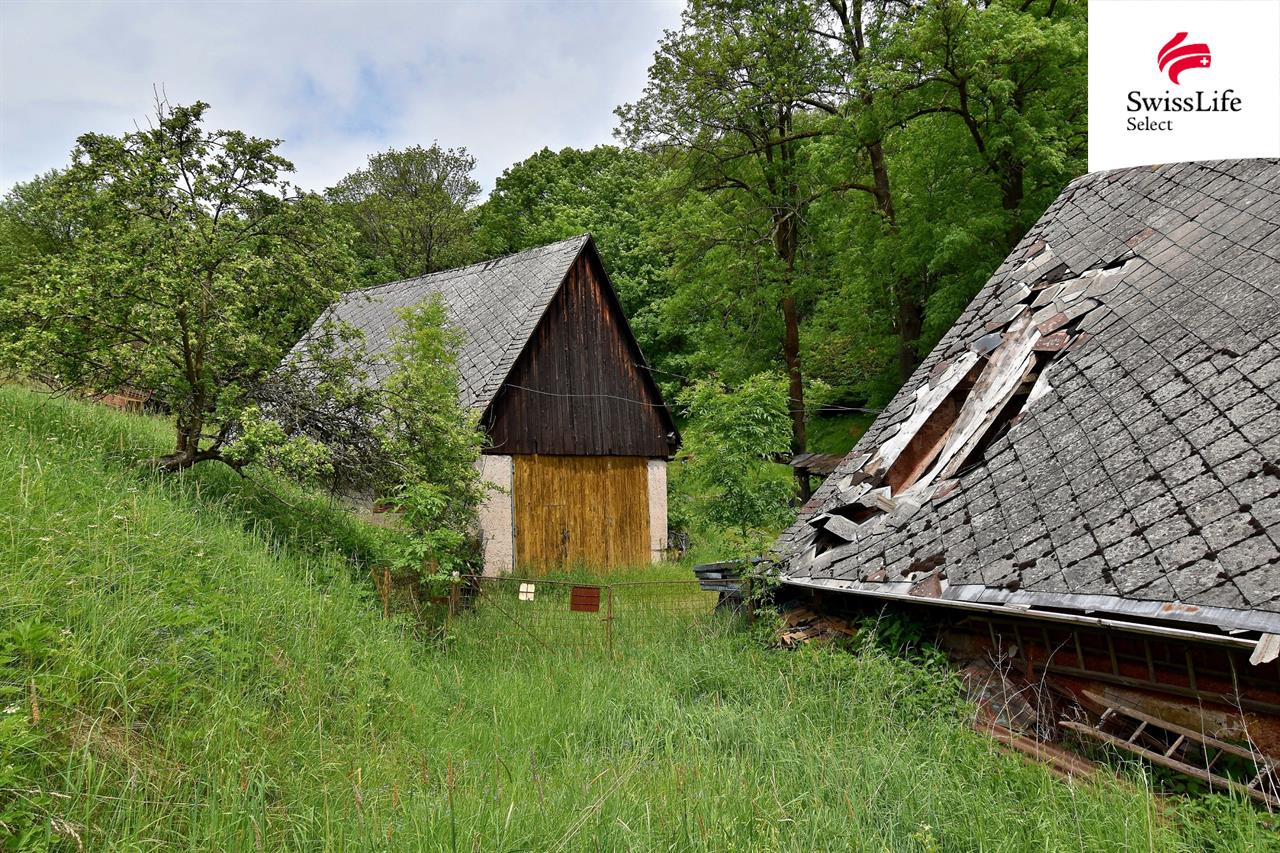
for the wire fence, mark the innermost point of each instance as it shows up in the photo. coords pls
(528, 614)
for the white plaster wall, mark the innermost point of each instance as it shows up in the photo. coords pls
(496, 516)
(657, 509)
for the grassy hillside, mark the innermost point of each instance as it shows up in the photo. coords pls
(192, 664)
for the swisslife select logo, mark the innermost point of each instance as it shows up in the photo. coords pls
(1176, 80)
(1179, 57)
(1174, 59)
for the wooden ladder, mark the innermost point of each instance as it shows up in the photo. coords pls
(1264, 787)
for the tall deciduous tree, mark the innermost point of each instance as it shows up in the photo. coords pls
(32, 224)
(613, 193)
(722, 478)
(856, 33)
(411, 208)
(194, 269)
(552, 195)
(1012, 74)
(729, 91)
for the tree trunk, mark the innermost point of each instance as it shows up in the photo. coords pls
(910, 322)
(909, 308)
(880, 177)
(188, 452)
(785, 240)
(171, 463)
(1011, 195)
(791, 355)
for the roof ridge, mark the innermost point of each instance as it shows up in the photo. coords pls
(1214, 165)
(445, 275)
(495, 304)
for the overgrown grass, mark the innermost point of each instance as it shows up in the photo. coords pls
(191, 665)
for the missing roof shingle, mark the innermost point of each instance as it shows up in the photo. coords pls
(966, 405)
(927, 442)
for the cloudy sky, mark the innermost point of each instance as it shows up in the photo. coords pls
(337, 81)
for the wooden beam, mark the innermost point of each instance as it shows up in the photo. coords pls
(1173, 764)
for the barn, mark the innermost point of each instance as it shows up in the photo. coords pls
(577, 433)
(1081, 483)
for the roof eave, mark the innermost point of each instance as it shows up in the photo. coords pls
(1068, 607)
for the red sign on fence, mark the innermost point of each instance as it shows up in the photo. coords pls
(585, 599)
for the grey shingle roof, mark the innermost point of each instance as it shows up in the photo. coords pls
(495, 305)
(1142, 479)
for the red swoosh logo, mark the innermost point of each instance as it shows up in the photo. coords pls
(1179, 57)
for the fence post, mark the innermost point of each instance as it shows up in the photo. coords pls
(453, 599)
(608, 619)
(751, 600)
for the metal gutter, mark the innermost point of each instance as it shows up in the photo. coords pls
(1031, 613)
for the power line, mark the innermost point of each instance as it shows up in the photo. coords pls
(608, 396)
(789, 399)
(636, 402)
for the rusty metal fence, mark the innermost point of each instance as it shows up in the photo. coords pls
(608, 618)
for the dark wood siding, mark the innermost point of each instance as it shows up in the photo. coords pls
(578, 388)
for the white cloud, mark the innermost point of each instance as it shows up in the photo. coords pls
(337, 81)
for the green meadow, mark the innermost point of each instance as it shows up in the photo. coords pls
(200, 662)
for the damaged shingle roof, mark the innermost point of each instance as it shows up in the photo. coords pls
(1099, 431)
(495, 305)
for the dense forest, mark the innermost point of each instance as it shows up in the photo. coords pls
(801, 201)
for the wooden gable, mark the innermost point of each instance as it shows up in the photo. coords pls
(581, 386)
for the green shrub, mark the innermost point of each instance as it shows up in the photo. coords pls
(723, 483)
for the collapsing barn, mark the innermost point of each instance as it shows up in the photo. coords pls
(1081, 479)
(577, 431)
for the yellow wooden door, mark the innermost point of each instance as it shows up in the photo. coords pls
(589, 511)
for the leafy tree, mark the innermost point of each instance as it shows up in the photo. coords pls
(988, 70)
(948, 235)
(406, 441)
(729, 91)
(195, 270)
(606, 191)
(315, 418)
(430, 442)
(411, 208)
(898, 207)
(723, 478)
(1012, 74)
(32, 225)
(856, 33)
(616, 195)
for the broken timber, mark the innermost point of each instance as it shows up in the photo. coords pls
(957, 412)
(1063, 763)
(802, 625)
(1264, 787)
